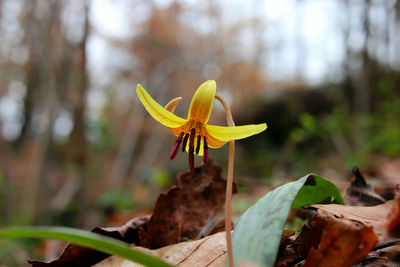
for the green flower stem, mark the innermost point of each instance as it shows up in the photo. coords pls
(86, 239)
(229, 183)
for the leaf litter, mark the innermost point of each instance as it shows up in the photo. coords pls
(188, 211)
(187, 208)
(360, 193)
(74, 255)
(361, 234)
(339, 235)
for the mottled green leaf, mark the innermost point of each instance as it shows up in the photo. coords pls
(257, 235)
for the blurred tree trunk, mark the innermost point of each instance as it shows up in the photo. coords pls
(347, 84)
(159, 77)
(32, 69)
(362, 91)
(127, 147)
(32, 84)
(78, 143)
(49, 26)
(362, 83)
(7, 202)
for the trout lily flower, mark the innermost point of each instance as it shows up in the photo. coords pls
(194, 133)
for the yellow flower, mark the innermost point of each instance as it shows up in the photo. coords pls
(197, 136)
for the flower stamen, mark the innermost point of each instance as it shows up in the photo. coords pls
(175, 149)
(205, 153)
(191, 148)
(185, 139)
(198, 144)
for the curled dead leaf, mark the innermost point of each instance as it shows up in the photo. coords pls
(187, 208)
(360, 193)
(384, 218)
(342, 242)
(328, 241)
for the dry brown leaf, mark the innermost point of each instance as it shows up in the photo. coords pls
(360, 193)
(183, 212)
(342, 243)
(340, 235)
(74, 255)
(286, 252)
(329, 241)
(394, 217)
(209, 251)
(372, 216)
(384, 218)
(387, 256)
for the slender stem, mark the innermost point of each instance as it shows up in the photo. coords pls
(229, 184)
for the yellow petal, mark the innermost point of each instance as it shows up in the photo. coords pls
(202, 102)
(172, 104)
(159, 113)
(177, 131)
(213, 142)
(224, 133)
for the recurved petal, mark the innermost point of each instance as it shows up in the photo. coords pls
(202, 102)
(172, 104)
(224, 133)
(177, 131)
(213, 142)
(159, 113)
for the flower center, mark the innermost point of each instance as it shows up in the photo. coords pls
(194, 133)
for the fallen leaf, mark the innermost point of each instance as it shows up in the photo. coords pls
(188, 207)
(209, 251)
(360, 193)
(388, 256)
(74, 255)
(394, 216)
(342, 242)
(286, 253)
(258, 233)
(183, 213)
(384, 218)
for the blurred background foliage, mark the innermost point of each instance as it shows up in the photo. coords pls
(78, 149)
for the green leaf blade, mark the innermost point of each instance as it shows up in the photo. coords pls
(257, 235)
(317, 190)
(87, 239)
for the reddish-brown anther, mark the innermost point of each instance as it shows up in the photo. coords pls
(197, 120)
(191, 148)
(185, 139)
(175, 149)
(198, 144)
(205, 152)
